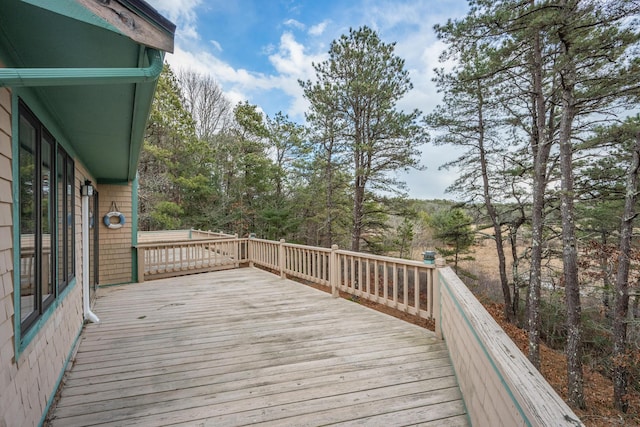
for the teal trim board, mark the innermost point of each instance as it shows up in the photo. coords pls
(46, 315)
(31, 77)
(74, 10)
(60, 377)
(134, 230)
(15, 191)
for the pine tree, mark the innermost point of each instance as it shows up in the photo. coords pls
(354, 98)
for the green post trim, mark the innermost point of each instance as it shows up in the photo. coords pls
(134, 230)
(15, 190)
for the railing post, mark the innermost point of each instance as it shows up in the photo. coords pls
(333, 271)
(437, 298)
(281, 259)
(250, 251)
(236, 249)
(140, 254)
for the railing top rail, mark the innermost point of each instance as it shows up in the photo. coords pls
(182, 230)
(255, 239)
(184, 242)
(401, 261)
(393, 260)
(312, 248)
(211, 233)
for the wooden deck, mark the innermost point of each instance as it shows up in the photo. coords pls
(241, 347)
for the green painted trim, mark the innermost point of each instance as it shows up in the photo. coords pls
(134, 229)
(486, 352)
(38, 106)
(73, 10)
(30, 77)
(15, 191)
(60, 377)
(35, 329)
(140, 116)
(112, 181)
(21, 341)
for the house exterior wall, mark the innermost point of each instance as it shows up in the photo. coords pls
(8, 369)
(32, 366)
(116, 245)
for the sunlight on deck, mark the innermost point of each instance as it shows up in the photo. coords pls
(241, 347)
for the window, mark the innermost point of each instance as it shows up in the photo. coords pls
(66, 266)
(46, 177)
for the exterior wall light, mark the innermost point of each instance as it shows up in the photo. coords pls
(86, 189)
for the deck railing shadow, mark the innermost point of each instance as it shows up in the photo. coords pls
(499, 384)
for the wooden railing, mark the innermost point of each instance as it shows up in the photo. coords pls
(176, 258)
(201, 234)
(179, 235)
(499, 385)
(400, 284)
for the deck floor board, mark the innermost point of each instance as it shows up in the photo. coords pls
(244, 347)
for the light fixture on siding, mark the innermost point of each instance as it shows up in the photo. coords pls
(87, 189)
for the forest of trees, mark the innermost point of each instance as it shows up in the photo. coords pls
(543, 99)
(208, 164)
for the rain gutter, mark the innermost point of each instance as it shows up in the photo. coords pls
(32, 77)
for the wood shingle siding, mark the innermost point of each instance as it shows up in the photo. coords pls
(115, 244)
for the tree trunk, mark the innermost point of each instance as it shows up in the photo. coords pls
(575, 382)
(570, 256)
(491, 211)
(604, 268)
(329, 201)
(620, 371)
(515, 273)
(358, 208)
(541, 148)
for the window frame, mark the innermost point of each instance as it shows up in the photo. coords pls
(58, 236)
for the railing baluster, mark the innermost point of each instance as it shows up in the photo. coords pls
(416, 290)
(385, 293)
(395, 284)
(405, 288)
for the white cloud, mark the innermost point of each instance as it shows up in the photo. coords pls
(293, 23)
(182, 13)
(318, 29)
(292, 63)
(409, 24)
(217, 45)
(290, 58)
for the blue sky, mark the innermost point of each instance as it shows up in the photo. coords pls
(257, 50)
